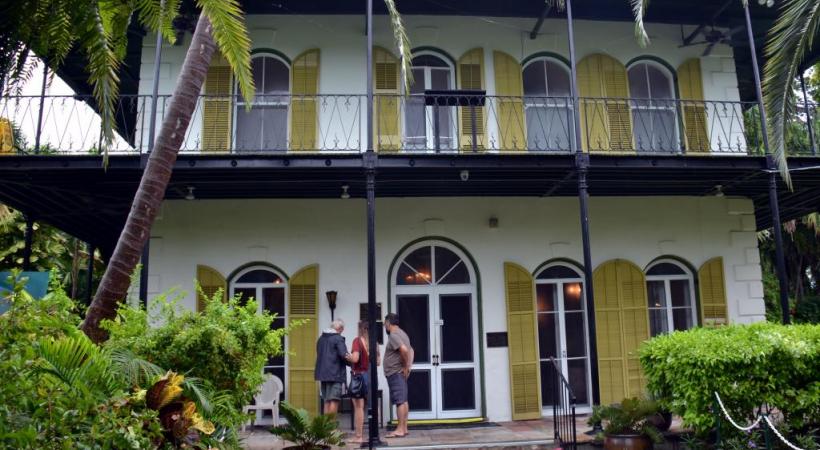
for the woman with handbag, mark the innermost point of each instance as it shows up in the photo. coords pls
(360, 380)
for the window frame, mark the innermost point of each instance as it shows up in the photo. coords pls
(532, 101)
(666, 279)
(646, 104)
(429, 127)
(239, 102)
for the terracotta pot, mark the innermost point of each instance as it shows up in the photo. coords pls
(627, 442)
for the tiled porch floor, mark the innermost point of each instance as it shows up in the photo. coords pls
(506, 435)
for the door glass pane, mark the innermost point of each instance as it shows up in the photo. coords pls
(545, 294)
(262, 128)
(659, 82)
(682, 318)
(416, 267)
(415, 125)
(259, 276)
(680, 292)
(665, 269)
(419, 390)
(576, 334)
(277, 77)
(440, 80)
(577, 378)
(642, 126)
(547, 335)
(657, 293)
(573, 297)
(279, 372)
(557, 79)
(657, 322)
(457, 330)
(638, 85)
(458, 389)
(414, 317)
(273, 301)
(664, 128)
(535, 83)
(245, 294)
(548, 395)
(449, 268)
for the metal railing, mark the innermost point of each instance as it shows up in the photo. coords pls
(280, 123)
(563, 409)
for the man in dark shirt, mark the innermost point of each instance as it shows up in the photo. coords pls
(331, 359)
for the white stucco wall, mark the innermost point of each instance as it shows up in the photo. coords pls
(341, 41)
(292, 234)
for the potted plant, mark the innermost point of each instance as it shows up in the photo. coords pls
(306, 433)
(628, 426)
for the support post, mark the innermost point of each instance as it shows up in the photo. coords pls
(369, 160)
(143, 294)
(89, 276)
(582, 167)
(28, 238)
(39, 131)
(809, 124)
(774, 205)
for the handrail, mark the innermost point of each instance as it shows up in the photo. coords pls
(563, 409)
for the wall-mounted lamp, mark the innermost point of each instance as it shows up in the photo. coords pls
(719, 190)
(493, 223)
(345, 195)
(331, 302)
(190, 194)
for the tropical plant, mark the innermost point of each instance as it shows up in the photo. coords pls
(630, 417)
(226, 345)
(306, 433)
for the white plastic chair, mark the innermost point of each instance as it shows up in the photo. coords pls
(267, 399)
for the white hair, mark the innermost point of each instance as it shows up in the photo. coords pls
(337, 324)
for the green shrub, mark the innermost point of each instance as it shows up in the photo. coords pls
(747, 365)
(226, 345)
(808, 310)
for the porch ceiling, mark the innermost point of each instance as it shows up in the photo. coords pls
(77, 195)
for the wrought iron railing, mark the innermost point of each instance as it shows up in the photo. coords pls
(279, 123)
(563, 409)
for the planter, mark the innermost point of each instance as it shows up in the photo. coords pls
(662, 421)
(627, 442)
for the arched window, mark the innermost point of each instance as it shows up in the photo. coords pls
(654, 118)
(547, 104)
(670, 288)
(265, 125)
(268, 288)
(430, 72)
(562, 331)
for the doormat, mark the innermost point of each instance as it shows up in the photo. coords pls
(443, 425)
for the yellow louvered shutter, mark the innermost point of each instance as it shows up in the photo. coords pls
(6, 136)
(387, 99)
(690, 85)
(509, 87)
(606, 119)
(471, 76)
(712, 289)
(303, 106)
(210, 281)
(622, 324)
(216, 106)
(522, 333)
(303, 304)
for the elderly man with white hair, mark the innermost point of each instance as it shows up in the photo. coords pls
(331, 358)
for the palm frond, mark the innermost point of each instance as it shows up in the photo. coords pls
(134, 370)
(402, 43)
(639, 11)
(789, 39)
(158, 15)
(77, 363)
(231, 36)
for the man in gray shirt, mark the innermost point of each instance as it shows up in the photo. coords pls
(398, 359)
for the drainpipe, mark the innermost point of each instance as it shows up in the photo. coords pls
(369, 160)
(582, 167)
(772, 169)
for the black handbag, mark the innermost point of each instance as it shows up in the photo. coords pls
(356, 387)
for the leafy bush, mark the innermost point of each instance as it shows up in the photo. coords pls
(226, 346)
(747, 365)
(808, 310)
(306, 433)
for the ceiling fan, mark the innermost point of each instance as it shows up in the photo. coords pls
(711, 38)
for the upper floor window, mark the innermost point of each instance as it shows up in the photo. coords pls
(654, 118)
(547, 104)
(670, 288)
(265, 125)
(430, 72)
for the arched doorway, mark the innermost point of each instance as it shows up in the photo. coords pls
(435, 295)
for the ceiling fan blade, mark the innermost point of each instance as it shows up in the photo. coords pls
(709, 49)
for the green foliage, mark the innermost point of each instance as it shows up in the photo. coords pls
(631, 416)
(808, 310)
(225, 346)
(306, 433)
(747, 365)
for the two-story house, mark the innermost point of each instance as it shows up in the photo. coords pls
(477, 235)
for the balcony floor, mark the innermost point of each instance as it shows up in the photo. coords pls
(76, 194)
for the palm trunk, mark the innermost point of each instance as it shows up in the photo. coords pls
(151, 191)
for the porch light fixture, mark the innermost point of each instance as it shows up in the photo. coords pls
(331, 302)
(190, 194)
(493, 223)
(345, 194)
(719, 190)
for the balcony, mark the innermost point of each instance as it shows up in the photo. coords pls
(335, 124)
